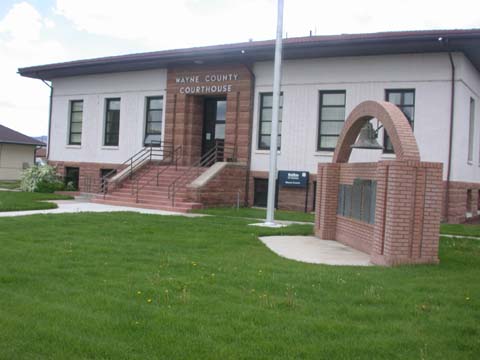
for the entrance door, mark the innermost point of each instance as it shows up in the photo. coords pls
(215, 110)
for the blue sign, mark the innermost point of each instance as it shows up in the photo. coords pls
(297, 179)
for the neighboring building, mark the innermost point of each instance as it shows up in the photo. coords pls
(106, 110)
(17, 152)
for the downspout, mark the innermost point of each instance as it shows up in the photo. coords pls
(450, 140)
(250, 131)
(49, 119)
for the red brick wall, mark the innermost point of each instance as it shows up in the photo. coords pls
(224, 189)
(288, 198)
(184, 113)
(354, 233)
(458, 202)
(407, 213)
(89, 173)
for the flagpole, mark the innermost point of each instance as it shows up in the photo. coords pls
(277, 69)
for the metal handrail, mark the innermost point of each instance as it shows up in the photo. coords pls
(208, 159)
(133, 163)
(175, 155)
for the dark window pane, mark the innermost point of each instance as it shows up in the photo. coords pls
(331, 127)
(220, 131)
(76, 118)
(221, 110)
(155, 115)
(331, 118)
(333, 113)
(405, 100)
(154, 121)
(333, 99)
(328, 142)
(114, 105)
(154, 128)
(265, 125)
(76, 128)
(155, 104)
(75, 138)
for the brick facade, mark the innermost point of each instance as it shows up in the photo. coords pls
(463, 200)
(225, 189)
(89, 173)
(184, 112)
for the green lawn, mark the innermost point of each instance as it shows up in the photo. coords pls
(11, 185)
(15, 201)
(255, 213)
(461, 229)
(131, 286)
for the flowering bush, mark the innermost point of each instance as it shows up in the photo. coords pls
(40, 179)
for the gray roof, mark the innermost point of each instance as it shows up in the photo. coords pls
(399, 42)
(9, 136)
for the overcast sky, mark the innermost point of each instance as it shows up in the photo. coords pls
(44, 31)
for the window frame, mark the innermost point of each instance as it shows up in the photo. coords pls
(471, 130)
(147, 111)
(70, 132)
(107, 104)
(410, 121)
(260, 121)
(320, 106)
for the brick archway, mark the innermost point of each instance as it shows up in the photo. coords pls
(403, 224)
(393, 121)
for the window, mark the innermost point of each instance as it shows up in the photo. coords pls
(76, 118)
(153, 124)
(405, 100)
(357, 201)
(471, 130)
(260, 192)
(112, 122)
(72, 176)
(331, 118)
(265, 123)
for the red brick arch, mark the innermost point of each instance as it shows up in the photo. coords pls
(393, 121)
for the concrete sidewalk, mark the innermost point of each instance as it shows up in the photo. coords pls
(82, 204)
(311, 249)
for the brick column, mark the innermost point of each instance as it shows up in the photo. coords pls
(327, 193)
(408, 213)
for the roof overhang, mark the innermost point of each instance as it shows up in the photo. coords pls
(465, 41)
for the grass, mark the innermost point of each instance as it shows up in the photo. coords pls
(11, 185)
(461, 229)
(131, 286)
(16, 201)
(255, 213)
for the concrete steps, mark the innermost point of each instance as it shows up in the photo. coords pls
(151, 196)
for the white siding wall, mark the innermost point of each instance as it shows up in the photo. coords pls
(363, 78)
(467, 86)
(131, 87)
(12, 158)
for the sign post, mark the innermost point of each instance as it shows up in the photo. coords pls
(277, 68)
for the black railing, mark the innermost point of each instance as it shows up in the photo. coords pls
(216, 154)
(174, 155)
(139, 159)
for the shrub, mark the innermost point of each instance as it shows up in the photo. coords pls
(40, 179)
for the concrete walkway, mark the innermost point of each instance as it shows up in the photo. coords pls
(311, 249)
(83, 205)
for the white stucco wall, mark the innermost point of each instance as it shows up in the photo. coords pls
(467, 86)
(131, 87)
(363, 78)
(12, 160)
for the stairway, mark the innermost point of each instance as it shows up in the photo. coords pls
(151, 196)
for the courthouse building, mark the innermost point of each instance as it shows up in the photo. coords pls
(191, 127)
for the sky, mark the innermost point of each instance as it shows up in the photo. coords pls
(39, 32)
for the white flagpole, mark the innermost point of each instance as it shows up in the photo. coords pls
(277, 69)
